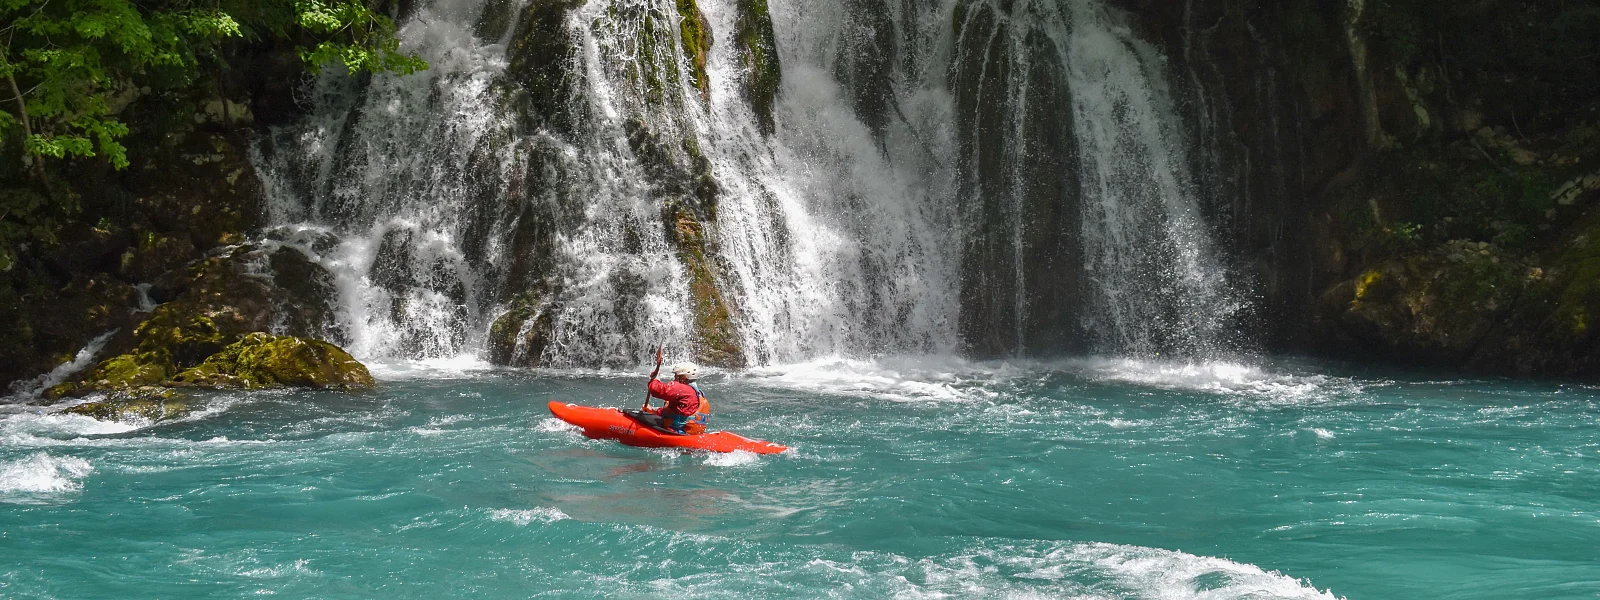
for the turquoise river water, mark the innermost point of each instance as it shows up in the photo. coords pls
(907, 479)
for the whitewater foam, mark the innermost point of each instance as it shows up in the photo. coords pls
(1171, 574)
(460, 366)
(524, 517)
(60, 425)
(26, 479)
(903, 379)
(737, 458)
(1219, 377)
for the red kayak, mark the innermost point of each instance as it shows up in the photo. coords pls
(611, 424)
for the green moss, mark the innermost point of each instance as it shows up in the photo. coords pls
(1577, 303)
(1364, 283)
(134, 404)
(518, 335)
(124, 371)
(654, 91)
(696, 36)
(758, 48)
(260, 360)
(713, 316)
(542, 53)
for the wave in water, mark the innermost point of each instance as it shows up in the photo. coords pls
(40, 476)
(950, 379)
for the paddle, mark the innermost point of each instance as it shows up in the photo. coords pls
(654, 374)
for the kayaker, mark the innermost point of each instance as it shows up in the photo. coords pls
(685, 407)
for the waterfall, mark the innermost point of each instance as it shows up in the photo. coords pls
(1157, 286)
(572, 181)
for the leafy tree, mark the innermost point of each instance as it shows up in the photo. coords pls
(67, 66)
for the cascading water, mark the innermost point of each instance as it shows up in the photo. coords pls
(1156, 285)
(445, 208)
(569, 183)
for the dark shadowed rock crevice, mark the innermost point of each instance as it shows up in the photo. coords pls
(1402, 180)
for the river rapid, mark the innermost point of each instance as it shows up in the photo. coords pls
(908, 478)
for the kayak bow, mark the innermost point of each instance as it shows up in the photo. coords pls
(611, 424)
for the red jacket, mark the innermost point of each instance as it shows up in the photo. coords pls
(682, 399)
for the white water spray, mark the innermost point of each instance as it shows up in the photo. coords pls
(842, 233)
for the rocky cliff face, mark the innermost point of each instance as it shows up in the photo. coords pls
(155, 263)
(1394, 180)
(1404, 180)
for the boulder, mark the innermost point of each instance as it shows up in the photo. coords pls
(1435, 308)
(261, 360)
(134, 404)
(210, 305)
(45, 328)
(519, 335)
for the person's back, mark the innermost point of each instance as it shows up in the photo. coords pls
(681, 397)
(685, 410)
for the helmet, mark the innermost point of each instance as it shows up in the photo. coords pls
(686, 370)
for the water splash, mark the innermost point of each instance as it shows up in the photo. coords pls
(34, 388)
(40, 474)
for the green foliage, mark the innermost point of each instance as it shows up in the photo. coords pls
(67, 61)
(67, 67)
(63, 60)
(354, 36)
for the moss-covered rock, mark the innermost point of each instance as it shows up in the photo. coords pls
(260, 361)
(758, 49)
(688, 193)
(542, 54)
(122, 372)
(147, 404)
(695, 35)
(1435, 308)
(519, 335)
(495, 20)
(716, 336)
(211, 304)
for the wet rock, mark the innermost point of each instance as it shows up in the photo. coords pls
(542, 54)
(716, 336)
(213, 303)
(307, 293)
(758, 51)
(695, 34)
(261, 361)
(149, 404)
(519, 335)
(495, 20)
(154, 255)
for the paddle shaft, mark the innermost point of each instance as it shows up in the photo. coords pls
(654, 374)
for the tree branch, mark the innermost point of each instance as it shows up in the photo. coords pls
(27, 130)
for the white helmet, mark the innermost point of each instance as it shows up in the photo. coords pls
(686, 370)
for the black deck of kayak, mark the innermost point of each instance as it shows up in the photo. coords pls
(650, 420)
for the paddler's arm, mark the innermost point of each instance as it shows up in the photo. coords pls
(657, 390)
